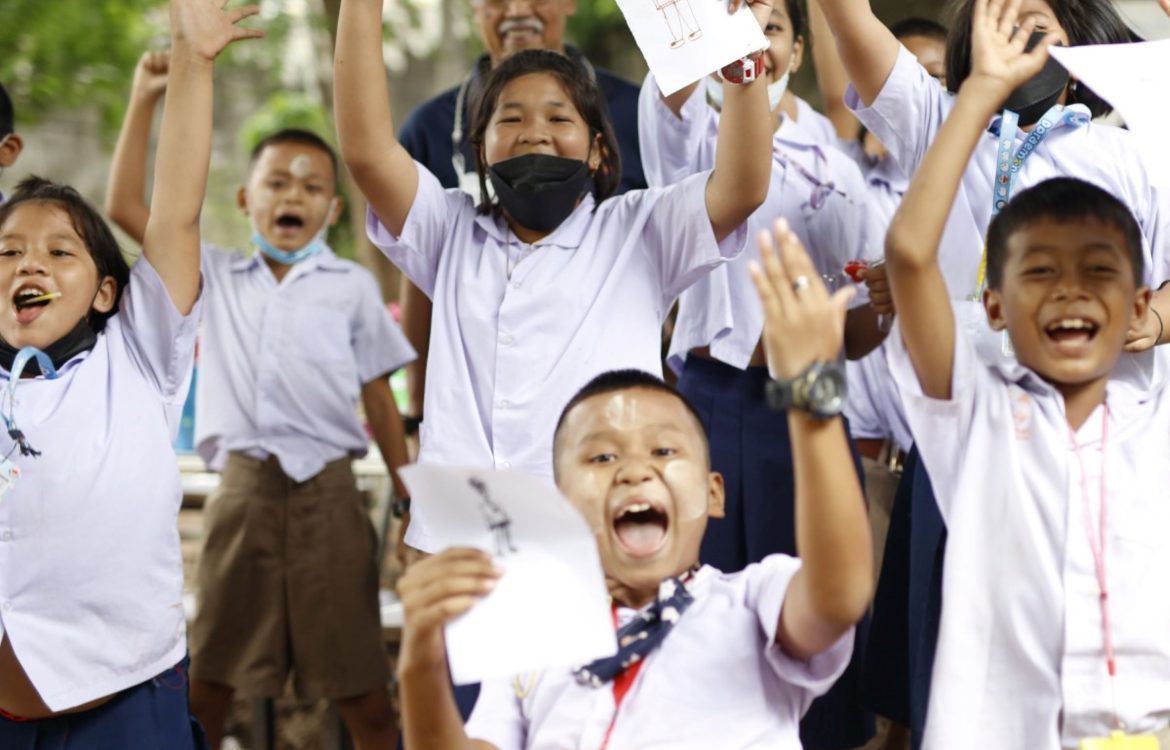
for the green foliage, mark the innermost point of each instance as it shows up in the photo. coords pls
(286, 109)
(67, 53)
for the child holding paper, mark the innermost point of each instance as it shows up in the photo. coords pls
(1054, 628)
(707, 659)
(556, 279)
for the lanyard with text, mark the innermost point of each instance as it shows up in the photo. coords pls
(1118, 740)
(621, 686)
(10, 472)
(1009, 160)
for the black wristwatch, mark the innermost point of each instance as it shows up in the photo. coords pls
(819, 390)
(400, 507)
(410, 424)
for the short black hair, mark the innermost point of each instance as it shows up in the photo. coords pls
(797, 17)
(7, 114)
(625, 380)
(1085, 22)
(88, 224)
(923, 27)
(297, 136)
(583, 91)
(1061, 199)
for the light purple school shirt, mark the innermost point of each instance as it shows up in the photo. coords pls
(281, 365)
(723, 310)
(719, 680)
(91, 576)
(1020, 660)
(906, 116)
(818, 128)
(517, 329)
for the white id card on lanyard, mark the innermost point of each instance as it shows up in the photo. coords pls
(9, 473)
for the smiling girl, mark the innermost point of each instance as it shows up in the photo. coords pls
(96, 359)
(555, 280)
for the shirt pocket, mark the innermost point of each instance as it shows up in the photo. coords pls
(319, 334)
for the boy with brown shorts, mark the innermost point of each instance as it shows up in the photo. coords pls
(292, 337)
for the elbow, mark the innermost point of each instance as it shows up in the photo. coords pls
(849, 600)
(903, 247)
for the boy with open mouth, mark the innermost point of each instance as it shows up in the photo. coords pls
(705, 659)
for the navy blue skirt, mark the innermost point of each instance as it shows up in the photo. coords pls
(907, 606)
(750, 447)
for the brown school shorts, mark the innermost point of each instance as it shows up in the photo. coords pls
(288, 583)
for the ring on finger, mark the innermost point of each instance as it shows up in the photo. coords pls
(800, 283)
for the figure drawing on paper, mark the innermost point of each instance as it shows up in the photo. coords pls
(681, 20)
(497, 519)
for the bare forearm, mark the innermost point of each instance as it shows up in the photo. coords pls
(862, 332)
(832, 79)
(386, 424)
(743, 163)
(430, 717)
(867, 49)
(171, 238)
(126, 188)
(832, 527)
(416, 324)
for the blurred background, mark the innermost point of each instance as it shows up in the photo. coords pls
(68, 64)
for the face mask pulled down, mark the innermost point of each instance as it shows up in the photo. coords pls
(292, 257)
(539, 191)
(776, 91)
(1035, 96)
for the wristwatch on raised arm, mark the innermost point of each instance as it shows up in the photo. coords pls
(819, 390)
(745, 69)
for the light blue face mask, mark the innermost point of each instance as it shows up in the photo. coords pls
(775, 92)
(287, 257)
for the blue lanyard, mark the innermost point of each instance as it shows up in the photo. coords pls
(1010, 160)
(1008, 164)
(7, 410)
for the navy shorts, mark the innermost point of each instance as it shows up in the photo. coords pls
(751, 448)
(150, 716)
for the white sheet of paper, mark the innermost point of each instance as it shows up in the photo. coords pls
(684, 40)
(1131, 77)
(551, 606)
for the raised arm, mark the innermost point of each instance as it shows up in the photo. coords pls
(379, 164)
(434, 591)
(126, 188)
(832, 78)
(804, 325)
(867, 48)
(920, 295)
(200, 30)
(743, 150)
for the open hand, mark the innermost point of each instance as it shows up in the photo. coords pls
(802, 323)
(1165, 6)
(1145, 332)
(434, 591)
(150, 75)
(206, 28)
(997, 45)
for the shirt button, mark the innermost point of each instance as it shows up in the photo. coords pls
(7, 606)
(503, 465)
(6, 536)
(515, 284)
(506, 340)
(505, 403)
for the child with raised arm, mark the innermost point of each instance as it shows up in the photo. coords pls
(554, 281)
(750, 650)
(1042, 130)
(1051, 476)
(293, 338)
(96, 360)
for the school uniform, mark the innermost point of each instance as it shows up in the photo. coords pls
(820, 192)
(518, 328)
(907, 114)
(718, 680)
(1020, 659)
(287, 576)
(91, 575)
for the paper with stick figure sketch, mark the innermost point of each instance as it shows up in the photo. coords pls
(551, 607)
(684, 40)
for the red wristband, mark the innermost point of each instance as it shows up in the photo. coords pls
(745, 69)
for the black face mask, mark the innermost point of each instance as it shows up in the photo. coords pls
(1036, 96)
(80, 339)
(540, 191)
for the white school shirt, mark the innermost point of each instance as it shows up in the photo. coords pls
(907, 115)
(91, 576)
(517, 329)
(723, 310)
(282, 365)
(1020, 661)
(719, 680)
(818, 127)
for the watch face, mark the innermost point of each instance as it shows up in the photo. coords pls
(826, 394)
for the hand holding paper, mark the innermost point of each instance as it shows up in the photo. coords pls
(519, 586)
(684, 40)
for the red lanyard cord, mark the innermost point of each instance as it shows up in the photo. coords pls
(1097, 547)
